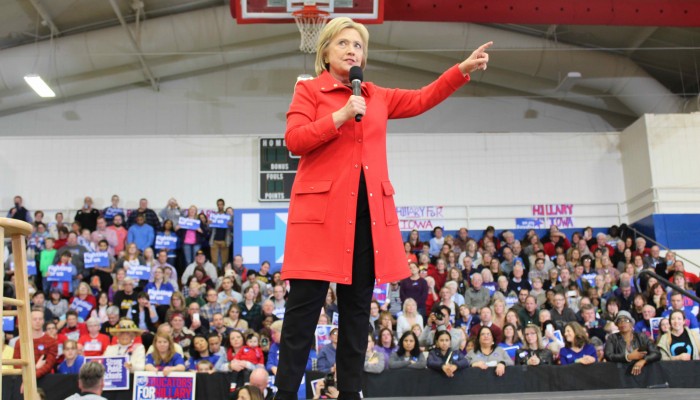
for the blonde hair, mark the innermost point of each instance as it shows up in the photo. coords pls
(332, 29)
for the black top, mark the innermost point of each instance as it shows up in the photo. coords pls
(681, 344)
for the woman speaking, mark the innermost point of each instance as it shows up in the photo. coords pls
(342, 224)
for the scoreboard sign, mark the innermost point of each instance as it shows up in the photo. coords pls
(278, 167)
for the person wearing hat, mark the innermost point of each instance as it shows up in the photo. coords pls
(630, 346)
(200, 259)
(126, 332)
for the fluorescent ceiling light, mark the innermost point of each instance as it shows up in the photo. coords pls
(39, 86)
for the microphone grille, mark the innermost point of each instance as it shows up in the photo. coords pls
(355, 73)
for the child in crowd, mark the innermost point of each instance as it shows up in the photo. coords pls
(251, 352)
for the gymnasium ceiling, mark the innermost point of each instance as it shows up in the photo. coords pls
(631, 62)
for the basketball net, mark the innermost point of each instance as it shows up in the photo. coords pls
(310, 21)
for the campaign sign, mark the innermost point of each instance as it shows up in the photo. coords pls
(655, 322)
(31, 267)
(140, 272)
(160, 297)
(96, 259)
(116, 374)
(111, 212)
(60, 273)
(166, 242)
(380, 293)
(323, 336)
(155, 386)
(188, 223)
(219, 220)
(82, 307)
(8, 324)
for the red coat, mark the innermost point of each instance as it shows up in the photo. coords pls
(321, 226)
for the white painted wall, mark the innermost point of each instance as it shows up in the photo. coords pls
(636, 164)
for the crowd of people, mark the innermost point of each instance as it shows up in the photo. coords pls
(470, 302)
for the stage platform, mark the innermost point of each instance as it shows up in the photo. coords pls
(617, 394)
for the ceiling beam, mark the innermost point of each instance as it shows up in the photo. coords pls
(638, 40)
(137, 47)
(45, 17)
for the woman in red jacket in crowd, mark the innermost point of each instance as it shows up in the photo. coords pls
(342, 193)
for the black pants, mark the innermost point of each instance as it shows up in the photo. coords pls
(303, 307)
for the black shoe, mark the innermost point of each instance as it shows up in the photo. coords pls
(349, 396)
(282, 395)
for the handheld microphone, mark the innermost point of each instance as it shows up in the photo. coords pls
(356, 81)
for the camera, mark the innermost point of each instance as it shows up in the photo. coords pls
(328, 381)
(264, 342)
(439, 316)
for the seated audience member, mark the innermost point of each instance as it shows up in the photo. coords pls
(440, 321)
(326, 357)
(443, 358)
(487, 354)
(644, 326)
(599, 349)
(45, 346)
(177, 306)
(533, 352)
(596, 327)
(561, 314)
(205, 367)
(679, 343)
(260, 379)
(73, 329)
(511, 341)
(72, 360)
(577, 347)
(375, 361)
(144, 314)
(126, 333)
(216, 349)
(90, 382)
(408, 354)
(212, 305)
(182, 335)
(164, 357)
(199, 352)
(249, 392)
(386, 343)
(250, 309)
(630, 346)
(195, 321)
(57, 305)
(252, 352)
(233, 319)
(112, 321)
(677, 303)
(408, 318)
(94, 343)
(486, 316)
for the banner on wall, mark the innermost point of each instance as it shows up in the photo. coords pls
(422, 218)
(259, 236)
(155, 386)
(546, 215)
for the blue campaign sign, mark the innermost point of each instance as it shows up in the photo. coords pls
(160, 297)
(188, 223)
(82, 307)
(259, 235)
(8, 324)
(111, 212)
(140, 272)
(153, 385)
(529, 223)
(166, 242)
(116, 373)
(60, 273)
(96, 259)
(219, 220)
(31, 267)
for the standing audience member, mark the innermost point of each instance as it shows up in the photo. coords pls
(680, 343)
(630, 346)
(141, 233)
(443, 359)
(45, 347)
(87, 216)
(90, 382)
(150, 216)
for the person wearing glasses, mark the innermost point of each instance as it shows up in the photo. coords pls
(533, 353)
(628, 346)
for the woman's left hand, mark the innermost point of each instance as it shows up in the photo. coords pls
(637, 369)
(500, 369)
(477, 60)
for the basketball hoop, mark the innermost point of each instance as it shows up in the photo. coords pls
(310, 21)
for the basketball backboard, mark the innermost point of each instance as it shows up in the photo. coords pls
(280, 11)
